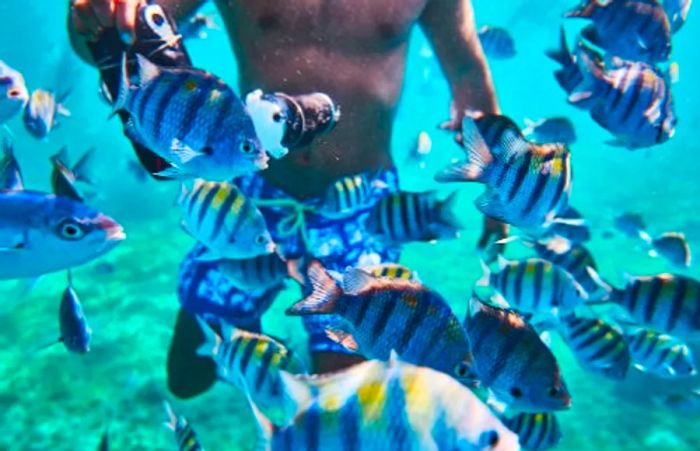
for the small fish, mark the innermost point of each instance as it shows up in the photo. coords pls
(184, 434)
(534, 285)
(42, 233)
(393, 271)
(348, 195)
(636, 30)
(511, 360)
(598, 346)
(551, 130)
(225, 221)
(497, 42)
(677, 12)
(13, 93)
(570, 225)
(668, 303)
(536, 431)
(40, 113)
(673, 247)
(197, 26)
(253, 362)
(386, 406)
(631, 100)
(403, 217)
(269, 115)
(10, 173)
(688, 403)
(421, 150)
(193, 120)
(527, 184)
(390, 314)
(259, 273)
(75, 332)
(632, 225)
(660, 354)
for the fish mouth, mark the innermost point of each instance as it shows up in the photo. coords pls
(270, 247)
(262, 162)
(113, 230)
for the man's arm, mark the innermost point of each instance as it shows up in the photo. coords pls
(450, 27)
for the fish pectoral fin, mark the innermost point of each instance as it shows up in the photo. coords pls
(182, 152)
(343, 338)
(63, 111)
(580, 96)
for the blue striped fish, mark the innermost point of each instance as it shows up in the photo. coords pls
(259, 273)
(386, 406)
(677, 12)
(404, 217)
(391, 314)
(598, 346)
(511, 360)
(660, 354)
(669, 303)
(497, 42)
(225, 221)
(10, 173)
(193, 120)
(253, 362)
(527, 184)
(536, 431)
(348, 195)
(631, 100)
(184, 434)
(636, 30)
(534, 285)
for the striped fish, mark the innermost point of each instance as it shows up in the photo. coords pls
(252, 362)
(527, 184)
(391, 314)
(10, 173)
(631, 100)
(677, 12)
(672, 246)
(404, 217)
(636, 30)
(259, 273)
(511, 360)
(497, 42)
(348, 195)
(570, 225)
(669, 303)
(386, 406)
(494, 128)
(184, 434)
(598, 346)
(536, 431)
(193, 120)
(393, 271)
(225, 221)
(534, 285)
(660, 354)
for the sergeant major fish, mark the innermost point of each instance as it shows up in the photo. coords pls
(258, 273)
(386, 406)
(75, 332)
(40, 113)
(348, 195)
(497, 42)
(193, 120)
(184, 434)
(390, 314)
(536, 431)
(13, 93)
(660, 354)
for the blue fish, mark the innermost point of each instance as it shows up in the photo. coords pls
(672, 246)
(536, 431)
(75, 332)
(42, 111)
(677, 12)
(10, 173)
(632, 225)
(184, 434)
(497, 42)
(13, 93)
(551, 130)
(660, 354)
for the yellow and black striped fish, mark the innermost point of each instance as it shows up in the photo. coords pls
(259, 273)
(349, 195)
(184, 434)
(660, 354)
(393, 271)
(535, 431)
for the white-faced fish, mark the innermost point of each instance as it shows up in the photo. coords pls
(536, 431)
(42, 111)
(534, 285)
(225, 221)
(632, 225)
(269, 116)
(10, 172)
(527, 184)
(599, 347)
(673, 247)
(13, 93)
(631, 100)
(497, 42)
(668, 303)
(253, 362)
(349, 194)
(258, 273)
(403, 217)
(185, 436)
(75, 332)
(570, 225)
(193, 120)
(687, 403)
(511, 360)
(391, 405)
(636, 30)
(551, 130)
(660, 354)
(677, 12)
(421, 149)
(390, 314)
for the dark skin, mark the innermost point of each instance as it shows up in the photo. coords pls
(353, 50)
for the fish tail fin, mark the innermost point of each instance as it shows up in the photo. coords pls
(447, 212)
(479, 157)
(583, 10)
(485, 279)
(171, 423)
(124, 89)
(212, 341)
(325, 293)
(561, 55)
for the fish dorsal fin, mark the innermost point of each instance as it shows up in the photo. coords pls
(147, 70)
(355, 280)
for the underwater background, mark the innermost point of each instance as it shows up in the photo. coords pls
(50, 399)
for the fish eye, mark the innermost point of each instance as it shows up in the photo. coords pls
(553, 392)
(208, 151)
(260, 239)
(71, 229)
(155, 18)
(246, 146)
(462, 370)
(13, 93)
(516, 393)
(277, 117)
(489, 438)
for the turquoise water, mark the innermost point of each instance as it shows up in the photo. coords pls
(52, 400)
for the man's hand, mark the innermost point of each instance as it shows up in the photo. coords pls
(90, 17)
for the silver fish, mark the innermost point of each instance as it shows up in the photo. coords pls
(13, 93)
